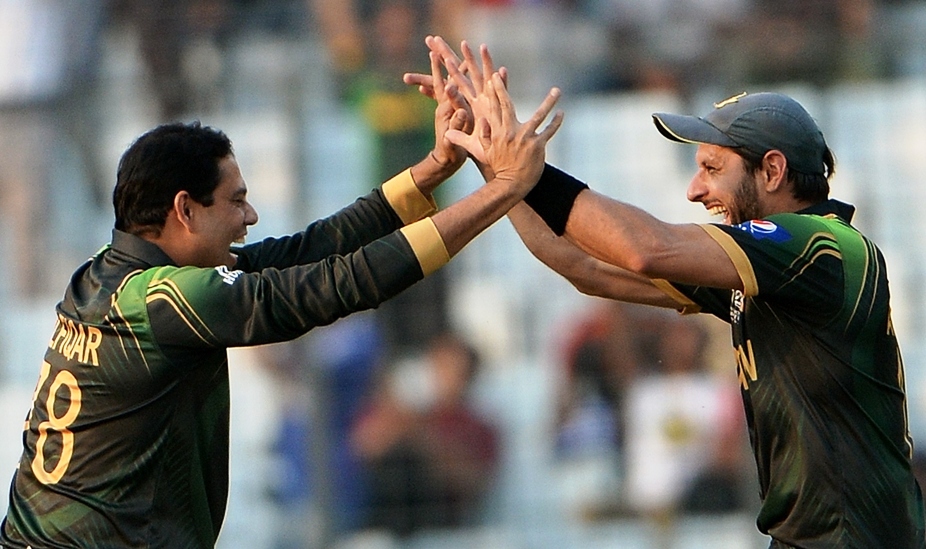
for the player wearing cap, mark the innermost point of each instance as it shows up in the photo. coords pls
(126, 444)
(806, 295)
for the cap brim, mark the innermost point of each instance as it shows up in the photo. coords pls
(690, 129)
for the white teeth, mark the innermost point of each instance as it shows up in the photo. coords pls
(717, 210)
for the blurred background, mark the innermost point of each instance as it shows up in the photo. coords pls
(490, 406)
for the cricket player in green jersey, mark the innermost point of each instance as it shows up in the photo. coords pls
(126, 444)
(805, 292)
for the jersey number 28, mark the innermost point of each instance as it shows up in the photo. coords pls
(55, 423)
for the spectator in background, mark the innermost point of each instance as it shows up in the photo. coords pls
(686, 439)
(49, 54)
(429, 454)
(324, 381)
(344, 28)
(602, 356)
(370, 42)
(665, 45)
(815, 41)
(639, 395)
(180, 44)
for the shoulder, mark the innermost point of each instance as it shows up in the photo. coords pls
(788, 229)
(189, 282)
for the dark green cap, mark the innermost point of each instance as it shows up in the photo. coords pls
(758, 123)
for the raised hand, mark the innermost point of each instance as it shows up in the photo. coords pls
(470, 76)
(452, 112)
(512, 150)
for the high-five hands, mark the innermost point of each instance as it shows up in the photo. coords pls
(514, 151)
(503, 148)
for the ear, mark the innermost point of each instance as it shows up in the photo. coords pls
(774, 170)
(182, 209)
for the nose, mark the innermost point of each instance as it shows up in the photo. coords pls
(250, 215)
(697, 190)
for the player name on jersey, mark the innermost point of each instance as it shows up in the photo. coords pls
(76, 341)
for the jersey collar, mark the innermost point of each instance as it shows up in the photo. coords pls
(142, 250)
(831, 207)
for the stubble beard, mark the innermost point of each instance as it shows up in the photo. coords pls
(745, 205)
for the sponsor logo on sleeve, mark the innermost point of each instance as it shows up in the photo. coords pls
(762, 229)
(228, 277)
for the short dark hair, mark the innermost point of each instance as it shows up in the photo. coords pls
(159, 164)
(806, 187)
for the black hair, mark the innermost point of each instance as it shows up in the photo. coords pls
(164, 161)
(809, 187)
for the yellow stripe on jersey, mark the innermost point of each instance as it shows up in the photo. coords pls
(737, 256)
(686, 305)
(427, 244)
(406, 199)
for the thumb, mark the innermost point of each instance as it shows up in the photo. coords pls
(468, 143)
(458, 138)
(458, 121)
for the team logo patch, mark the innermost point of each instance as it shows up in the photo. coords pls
(765, 230)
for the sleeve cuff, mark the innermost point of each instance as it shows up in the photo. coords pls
(737, 256)
(427, 244)
(409, 203)
(685, 305)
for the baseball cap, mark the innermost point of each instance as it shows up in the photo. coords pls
(758, 123)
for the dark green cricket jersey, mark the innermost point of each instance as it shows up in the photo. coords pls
(127, 441)
(822, 380)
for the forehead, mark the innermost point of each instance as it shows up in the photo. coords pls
(715, 154)
(230, 179)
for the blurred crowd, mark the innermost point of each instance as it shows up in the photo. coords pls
(380, 426)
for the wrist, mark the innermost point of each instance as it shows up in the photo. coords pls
(442, 163)
(431, 172)
(553, 197)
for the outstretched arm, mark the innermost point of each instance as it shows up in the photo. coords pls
(611, 231)
(587, 274)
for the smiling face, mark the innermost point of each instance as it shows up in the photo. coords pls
(226, 221)
(724, 186)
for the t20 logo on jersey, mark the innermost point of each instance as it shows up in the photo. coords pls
(765, 230)
(737, 306)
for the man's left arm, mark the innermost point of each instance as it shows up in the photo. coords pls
(632, 239)
(382, 211)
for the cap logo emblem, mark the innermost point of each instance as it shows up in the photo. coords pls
(730, 100)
